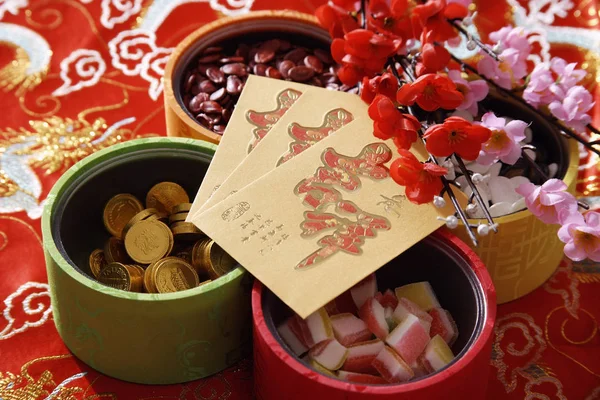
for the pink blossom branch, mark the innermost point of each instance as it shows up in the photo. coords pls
(556, 122)
(479, 43)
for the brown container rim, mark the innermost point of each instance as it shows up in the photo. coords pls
(287, 21)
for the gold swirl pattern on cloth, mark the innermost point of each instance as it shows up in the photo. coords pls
(25, 386)
(525, 361)
(591, 324)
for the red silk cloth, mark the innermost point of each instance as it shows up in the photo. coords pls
(546, 345)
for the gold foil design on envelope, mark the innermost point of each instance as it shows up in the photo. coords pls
(246, 128)
(313, 110)
(264, 121)
(351, 224)
(335, 223)
(304, 137)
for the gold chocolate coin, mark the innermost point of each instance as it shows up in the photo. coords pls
(114, 251)
(97, 262)
(148, 241)
(116, 276)
(136, 277)
(184, 253)
(217, 260)
(198, 256)
(149, 284)
(183, 207)
(173, 274)
(186, 231)
(166, 195)
(118, 211)
(179, 217)
(148, 213)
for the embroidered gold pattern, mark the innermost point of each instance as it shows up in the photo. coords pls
(558, 350)
(24, 386)
(58, 143)
(529, 352)
(15, 76)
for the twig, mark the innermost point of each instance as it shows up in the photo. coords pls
(484, 207)
(405, 62)
(363, 12)
(461, 214)
(392, 65)
(533, 164)
(479, 43)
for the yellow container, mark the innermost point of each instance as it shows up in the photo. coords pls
(525, 252)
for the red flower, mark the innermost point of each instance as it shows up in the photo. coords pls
(456, 135)
(385, 84)
(353, 69)
(362, 53)
(430, 92)
(434, 57)
(389, 122)
(336, 17)
(430, 20)
(366, 44)
(422, 180)
(392, 18)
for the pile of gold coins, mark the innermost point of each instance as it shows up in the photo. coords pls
(153, 249)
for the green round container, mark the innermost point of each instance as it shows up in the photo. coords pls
(138, 337)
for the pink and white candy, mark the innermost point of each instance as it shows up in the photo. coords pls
(392, 367)
(409, 338)
(329, 353)
(361, 355)
(348, 329)
(406, 307)
(364, 290)
(319, 326)
(373, 314)
(443, 324)
(360, 378)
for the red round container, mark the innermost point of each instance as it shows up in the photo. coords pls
(463, 286)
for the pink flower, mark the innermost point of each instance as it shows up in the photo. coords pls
(503, 144)
(539, 90)
(513, 48)
(473, 91)
(573, 109)
(548, 83)
(549, 202)
(566, 74)
(514, 38)
(507, 72)
(581, 235)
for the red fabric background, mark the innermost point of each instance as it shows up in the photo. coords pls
(546, 345)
